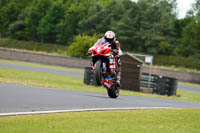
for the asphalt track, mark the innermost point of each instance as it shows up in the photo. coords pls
(20, 98)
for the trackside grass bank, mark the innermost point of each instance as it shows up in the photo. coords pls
(41, 79)
(41, 65)
(34, 47)
(139, 121)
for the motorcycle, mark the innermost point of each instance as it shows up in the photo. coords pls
(106, 68)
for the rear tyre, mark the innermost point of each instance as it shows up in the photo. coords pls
(98, 72)
(114, 91)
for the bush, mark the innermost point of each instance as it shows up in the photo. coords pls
(189, 62)
(81, 45)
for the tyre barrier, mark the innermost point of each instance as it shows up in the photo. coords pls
(87, 75)
(161, 85)
(89, 78)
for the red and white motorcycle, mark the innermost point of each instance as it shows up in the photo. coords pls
(106, 68)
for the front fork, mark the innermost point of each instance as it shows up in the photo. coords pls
(112, 64)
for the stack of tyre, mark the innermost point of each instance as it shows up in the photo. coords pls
(89, 78)
(165, 85)
(161, 85)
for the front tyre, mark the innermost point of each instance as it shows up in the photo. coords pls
(98, 72)
(114, 91)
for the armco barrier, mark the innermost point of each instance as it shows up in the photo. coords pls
(82, 63)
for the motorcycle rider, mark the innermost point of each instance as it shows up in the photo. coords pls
(109, 36)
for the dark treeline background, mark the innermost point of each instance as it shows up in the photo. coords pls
(148, 26)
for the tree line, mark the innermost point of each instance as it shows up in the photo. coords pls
(146, 26)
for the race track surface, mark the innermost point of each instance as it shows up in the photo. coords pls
(20, 98)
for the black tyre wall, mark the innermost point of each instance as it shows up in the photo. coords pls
(88, 75)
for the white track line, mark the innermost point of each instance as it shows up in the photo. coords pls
(81, 110)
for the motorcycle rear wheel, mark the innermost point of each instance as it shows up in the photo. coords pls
(114, 91)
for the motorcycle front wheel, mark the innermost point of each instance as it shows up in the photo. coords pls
(98, 72)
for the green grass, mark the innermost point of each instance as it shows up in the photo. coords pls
(177, 61)
(135, 121)
(42, 66)
(15, 76)
(8, 75)
(190, 84)
(35, 47)
(189, 96)
(175, 68)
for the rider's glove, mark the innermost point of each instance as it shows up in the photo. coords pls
(89, 52)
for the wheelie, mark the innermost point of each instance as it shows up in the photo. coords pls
(106, 63)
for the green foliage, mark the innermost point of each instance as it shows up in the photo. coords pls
(37, 12)
(177, 61)
(180, 24)
(100, 19)
(9, 10)
(164, 48)
(104, 2)
(190, 41)
(67, 28)
(47, 25)
(155, 25)
(81, 45)
(17, 29)
(75, 12)
(127, 27)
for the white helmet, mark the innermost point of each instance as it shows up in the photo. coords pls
(109, 35)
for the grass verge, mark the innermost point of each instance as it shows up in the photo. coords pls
(35, 47)
(42, 66)
(8, 75)
(41, 79)
(189, 84)
(139, 121)
(175, 68)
